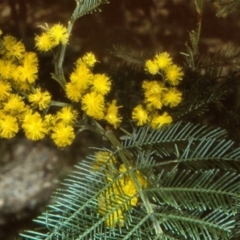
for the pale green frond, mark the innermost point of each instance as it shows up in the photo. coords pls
(87, 6)
(191, 193)
(164, 141)
(226, 6)
(188, 157)
(75, 213)
(197, 105)
(75, 208)
(199, 5)
(129, 56)
(190, 225)
(213, 64)
(197, 190)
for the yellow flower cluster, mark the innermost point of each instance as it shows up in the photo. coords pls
(16, 65)
(24, 106)
(52, 37)
(22, 102)
(162, 63)
(159, 94)
(121, 195)
(90, 89)
(18, 74)
(103, 158)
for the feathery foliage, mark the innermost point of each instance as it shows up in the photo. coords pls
(214, 63)
(87, 6)
(226, 6)
(186, 201)
(130, 57)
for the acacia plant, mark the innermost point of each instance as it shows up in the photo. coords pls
(164, 178)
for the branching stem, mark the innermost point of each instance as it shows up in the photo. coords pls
(124, 155)
(59, 63)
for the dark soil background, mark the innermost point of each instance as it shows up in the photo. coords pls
(30, 171)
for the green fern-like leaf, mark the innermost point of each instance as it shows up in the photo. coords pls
(178, 190)
(198, 105)
(213, 64)
(164, 142)
(87, 6)
(226, 6)
(198, 5)
(131, 57)
(192, 191)
(185, 225)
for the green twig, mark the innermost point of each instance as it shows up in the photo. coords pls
(59, 74)
(124, 155)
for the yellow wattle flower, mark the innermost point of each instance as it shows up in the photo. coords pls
(163, 60)
(93, 105)
(67, 115)
(8, 127)
(54, 36)
(63, 135)
(153, 87)
(7, 69)
(73, 92)
(58, 34)
(50, 121)
(13, 49)
(151, 67)
(5, 90)
(27, 71)
(89, 59)
(119, 197)
(102, 158)
(81, 77)
(40, 99)
(159, 120)
(153, 102)
(44, 43)
(112, 115)
(172, 97)
(34, 126)
(101, 84)
(14, 104)
(140, 115)
(173, 74)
